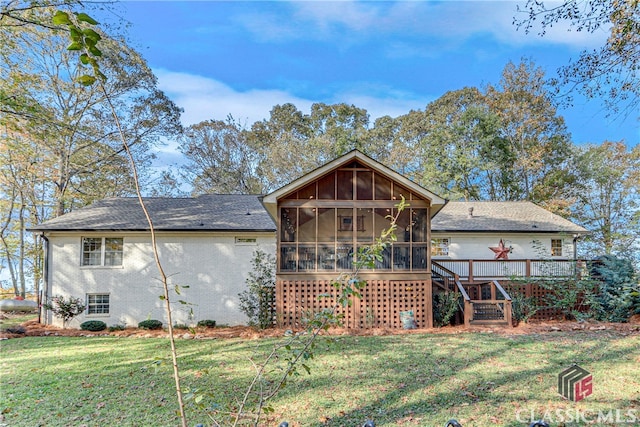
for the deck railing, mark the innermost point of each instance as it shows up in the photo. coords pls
(486, 270)
(494, 310)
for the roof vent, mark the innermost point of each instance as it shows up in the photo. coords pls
(470, 212)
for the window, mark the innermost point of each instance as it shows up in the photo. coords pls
(97, 303)
(440, 247)
(556, 247)
(102, 251)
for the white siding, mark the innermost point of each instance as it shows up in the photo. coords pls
(476, 245)
(214, 267)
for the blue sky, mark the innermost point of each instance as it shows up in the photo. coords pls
(215, 58)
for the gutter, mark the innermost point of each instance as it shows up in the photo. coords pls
(44, 292)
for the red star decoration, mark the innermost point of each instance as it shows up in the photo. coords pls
(501, 251)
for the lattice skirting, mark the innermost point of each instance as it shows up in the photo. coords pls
(380, 305)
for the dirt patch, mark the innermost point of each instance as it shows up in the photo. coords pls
(33, 328)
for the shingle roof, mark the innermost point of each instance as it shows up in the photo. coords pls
(215, 212)
(231, 212)
(501, 216)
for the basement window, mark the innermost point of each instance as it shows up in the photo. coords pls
(97, 303)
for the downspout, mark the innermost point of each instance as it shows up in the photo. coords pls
(575, 254)
(44, 294)
(575, 246)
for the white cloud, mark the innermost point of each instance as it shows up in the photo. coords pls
(204, 98)
(454, 21)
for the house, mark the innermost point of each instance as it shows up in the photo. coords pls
(314, 226)
(103, 253)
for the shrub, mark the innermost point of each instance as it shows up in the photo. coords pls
(150, 324)
(114, 328)
(180, 326)
(207, 323)
(257, 302)
(523, 308)
(618, 295)
(571, 297)
(445, 306)
(66, 309)
(93, 325)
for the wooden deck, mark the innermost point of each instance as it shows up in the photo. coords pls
(483, 285)
(476, 271)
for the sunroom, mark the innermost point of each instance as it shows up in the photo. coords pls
(323, 219)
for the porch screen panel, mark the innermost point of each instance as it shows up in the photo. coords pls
(308, 192)
(307, 225)
(345, 225)
(385, 262)
(401, 256)
(326, 225)
(364, 185)
(403, 232)
(419, 257)
(327, 187)
(364, 222)
(306, 258)
(288, 258)
(288, 224)
(345, 185)
(326, 257)
(380, 220)
(344, 257)
(382, 188)
(419, 225)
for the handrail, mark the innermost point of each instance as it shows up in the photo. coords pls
(452, 274)
(464, 293)
(502, 291)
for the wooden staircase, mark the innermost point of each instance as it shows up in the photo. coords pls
(492, 308)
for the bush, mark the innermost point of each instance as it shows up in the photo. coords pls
(445, 306)
(618, 295)
(114, 328)
(180, 326)
(93, 325)
(523, 308)
(257, 302)
(207, 323)
(150, 324)
(66, 309)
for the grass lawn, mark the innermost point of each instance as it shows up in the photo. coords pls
(414, 379)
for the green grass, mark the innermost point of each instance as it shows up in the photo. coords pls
(16, 319)
(417, 379)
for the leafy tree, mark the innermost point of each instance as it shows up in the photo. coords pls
(537, 140)
(280, 143)
(60, 148)
(453, 132)
(339, 128)
(607, 198)
(610, 72)
(220, 159)
(618, 297)
(291, 143)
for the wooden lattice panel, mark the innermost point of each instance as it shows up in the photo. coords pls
(539, 293)
(380, 304)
